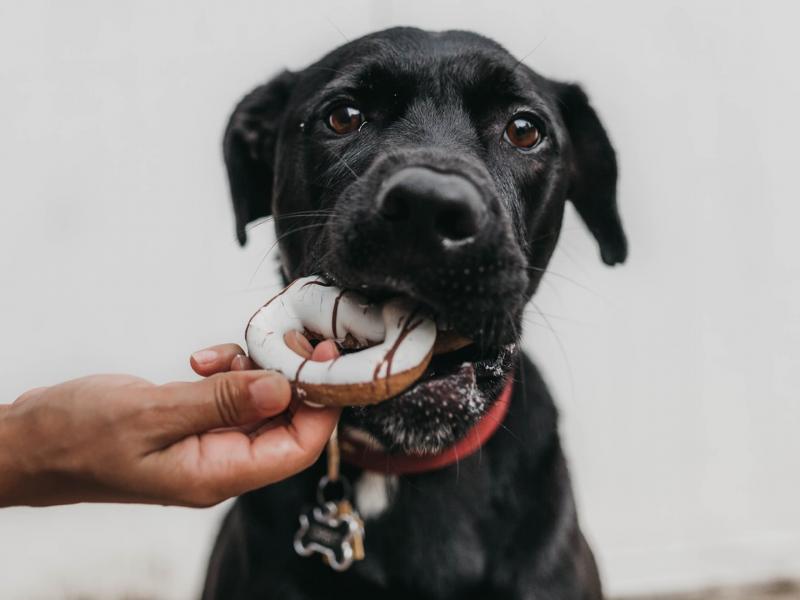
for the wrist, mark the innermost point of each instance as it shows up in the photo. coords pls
(12, 477)
(7, 476)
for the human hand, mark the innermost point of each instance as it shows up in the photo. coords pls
(118, 438)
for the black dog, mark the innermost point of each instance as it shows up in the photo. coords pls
(435, 166)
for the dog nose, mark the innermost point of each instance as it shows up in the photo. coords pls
(424, 202)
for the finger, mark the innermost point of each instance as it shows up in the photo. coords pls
(204, 470)
(298, 343)
(277, 453)
(326, 350)
(283, 451)
(30, 394)
(242, 363)
(216, 359)
(223, 400)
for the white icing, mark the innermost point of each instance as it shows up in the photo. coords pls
(306, 304)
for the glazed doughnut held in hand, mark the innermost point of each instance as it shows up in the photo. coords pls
(391, 344)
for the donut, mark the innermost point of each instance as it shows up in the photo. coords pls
(391, 343)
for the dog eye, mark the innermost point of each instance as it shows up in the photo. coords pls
(522, 132)
(345, 119)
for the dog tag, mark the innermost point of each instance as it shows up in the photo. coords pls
(332, 528)
(326, 532)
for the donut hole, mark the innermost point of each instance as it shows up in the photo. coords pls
(298, 343)
(311, 348)
(348, 345)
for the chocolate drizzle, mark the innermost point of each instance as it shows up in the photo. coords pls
(317, 282)
(300, 368)
(335, 313)
(408, 326)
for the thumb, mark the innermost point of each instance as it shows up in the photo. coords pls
(223, 400)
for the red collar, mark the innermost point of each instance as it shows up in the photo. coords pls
(356, 453)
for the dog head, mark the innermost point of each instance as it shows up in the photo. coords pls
(434, 166)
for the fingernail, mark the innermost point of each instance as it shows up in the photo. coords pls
(270, 391)
(298, 343)
(303, 341)
(204, 357)
(239, 363)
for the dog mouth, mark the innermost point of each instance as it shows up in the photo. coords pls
(453, 393)
(452, 378)
(474, 354)
(459, 384)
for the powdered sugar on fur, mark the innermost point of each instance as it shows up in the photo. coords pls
(435, 413)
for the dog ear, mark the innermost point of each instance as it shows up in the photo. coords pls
(593, 174)
(249, 149)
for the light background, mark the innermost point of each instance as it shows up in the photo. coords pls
(677, 374)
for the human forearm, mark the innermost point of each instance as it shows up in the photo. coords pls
(36, 468)
(11, 472)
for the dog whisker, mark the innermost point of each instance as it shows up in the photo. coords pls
(562, 350)
(561, 317)
(529, 54)
(272, 219)
(346, 39)
(277, 241)
(342, 160)
(546, 272)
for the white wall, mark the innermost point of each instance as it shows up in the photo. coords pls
(676, 374)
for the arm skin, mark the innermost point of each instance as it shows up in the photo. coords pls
(118, 438)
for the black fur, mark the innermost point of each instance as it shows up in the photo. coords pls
(502, 523)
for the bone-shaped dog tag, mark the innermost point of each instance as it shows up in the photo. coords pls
(323, 530)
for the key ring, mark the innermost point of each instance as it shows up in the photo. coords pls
(329, 490)
(332, 487)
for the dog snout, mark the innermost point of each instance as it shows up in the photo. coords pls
(436, 232)
(424, 205)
